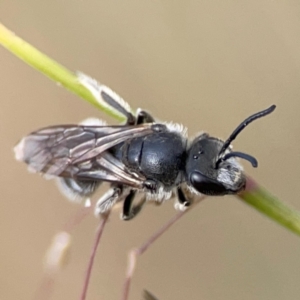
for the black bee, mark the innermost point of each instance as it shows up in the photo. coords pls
(141, 156)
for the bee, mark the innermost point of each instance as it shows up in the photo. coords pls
(142, 156)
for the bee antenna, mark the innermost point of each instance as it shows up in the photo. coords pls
(250, 158)
(241, 127)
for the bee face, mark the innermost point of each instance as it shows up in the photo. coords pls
(206, 175)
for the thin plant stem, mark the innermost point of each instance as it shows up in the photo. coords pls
(92, 256)
(135, 253)
(77, 218)
(50, 68)
(263, 201)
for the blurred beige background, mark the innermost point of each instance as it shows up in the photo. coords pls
(206, 64)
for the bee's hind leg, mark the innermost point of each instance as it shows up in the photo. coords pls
(183, 202)
(130, 211)
(144, 117)
(107, 98)
(76, 190)
(107, 201)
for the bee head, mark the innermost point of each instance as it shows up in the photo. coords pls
(212, 167)
(208, 176)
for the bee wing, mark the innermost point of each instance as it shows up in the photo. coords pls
(104, 168)
(58, 149)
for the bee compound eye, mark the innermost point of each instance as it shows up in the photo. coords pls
(205, 185)
(199, 180)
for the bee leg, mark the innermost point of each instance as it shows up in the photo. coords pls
(106, 202)
(143, 117)
(107, 97)
(127, 206)
(182, 202)
(129, 211)
(76, 190)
